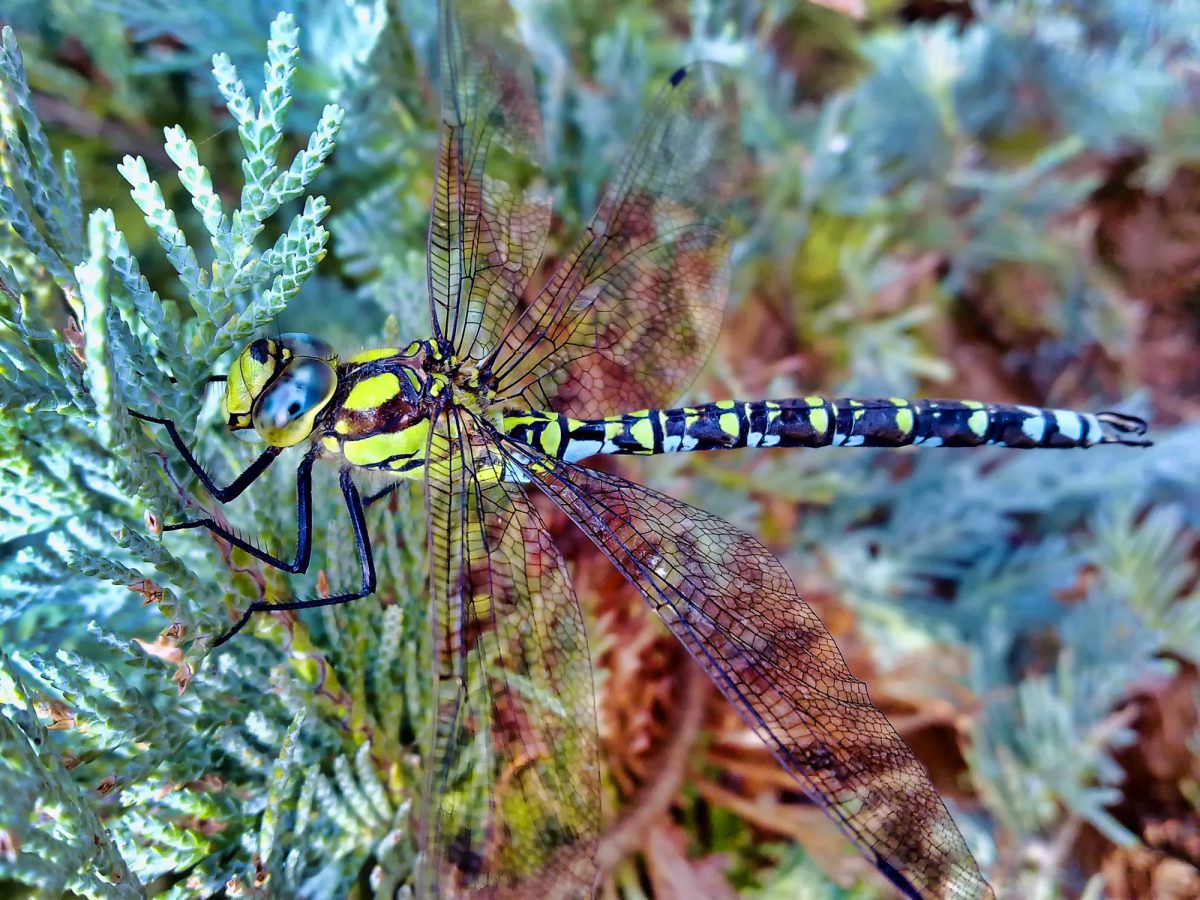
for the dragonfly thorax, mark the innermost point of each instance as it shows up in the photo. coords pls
(461, 383)
(380, 416)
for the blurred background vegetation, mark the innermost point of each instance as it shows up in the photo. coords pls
(996, 200)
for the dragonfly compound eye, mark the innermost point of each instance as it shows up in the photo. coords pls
(300, 344)
(250, 373)
(284, 414)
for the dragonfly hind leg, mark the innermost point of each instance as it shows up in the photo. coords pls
(298, 565)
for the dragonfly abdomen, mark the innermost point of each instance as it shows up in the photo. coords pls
(820, 422)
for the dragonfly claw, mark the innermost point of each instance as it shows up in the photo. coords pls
(1123, 429)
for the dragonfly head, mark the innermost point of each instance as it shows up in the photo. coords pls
(279, 386)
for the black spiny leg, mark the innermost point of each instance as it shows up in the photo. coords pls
(239, 484)
(299, 564)
(361, 539)
(383, 493)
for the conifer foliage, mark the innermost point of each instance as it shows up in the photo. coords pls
(994, 199)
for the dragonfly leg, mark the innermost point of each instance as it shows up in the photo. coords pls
(222, 494)
(299, 564)
(371, 499)
(365, 560)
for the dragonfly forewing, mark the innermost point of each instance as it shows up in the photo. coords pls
(487, 228)
(634, 309)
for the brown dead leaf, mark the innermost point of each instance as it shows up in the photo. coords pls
(1162, 771)
(1153, 238)
(1141, 872)
(10, 846)
(151, 592)
(182, 677)
(261, 875)
(855, 9)
(674, 875)
(61, 716)
(163, 647)
(75, 339)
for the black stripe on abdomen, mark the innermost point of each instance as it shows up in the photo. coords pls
(815, 422)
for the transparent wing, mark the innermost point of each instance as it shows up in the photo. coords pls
(485, 234)
(633, 311)
(730, 602)
(513, 797)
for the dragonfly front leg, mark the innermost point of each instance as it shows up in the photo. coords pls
(365, 560)
(222, 494)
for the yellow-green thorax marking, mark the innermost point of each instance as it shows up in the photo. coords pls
(380, 417)
(373, 409)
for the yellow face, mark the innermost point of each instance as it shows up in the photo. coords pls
(278, 387)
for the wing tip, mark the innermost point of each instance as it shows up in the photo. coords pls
(678, 75)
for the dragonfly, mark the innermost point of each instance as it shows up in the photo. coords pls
(526, 376)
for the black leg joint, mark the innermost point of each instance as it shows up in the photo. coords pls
(366, 560)
(222, 494)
